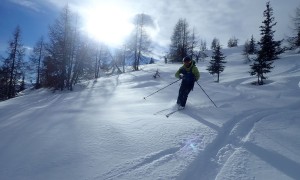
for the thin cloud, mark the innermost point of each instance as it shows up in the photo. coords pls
(28, 4)
(210, 18)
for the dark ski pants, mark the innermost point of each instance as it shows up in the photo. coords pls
(183, 95)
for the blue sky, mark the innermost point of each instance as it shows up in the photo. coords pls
(210, 18)
(33, 22)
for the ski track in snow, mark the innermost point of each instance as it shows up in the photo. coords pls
(231, 136)
(152, 160)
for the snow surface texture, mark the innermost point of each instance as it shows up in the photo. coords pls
(105, 129)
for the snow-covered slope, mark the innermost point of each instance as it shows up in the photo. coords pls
(106, 130)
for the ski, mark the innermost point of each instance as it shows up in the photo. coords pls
(161, 111)
(170, 113)
(171, 110)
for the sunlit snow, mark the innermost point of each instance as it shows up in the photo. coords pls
(106, 130)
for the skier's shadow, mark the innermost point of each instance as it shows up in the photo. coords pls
(278, 161)
(195, 114)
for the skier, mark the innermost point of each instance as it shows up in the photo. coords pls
(156, 74)
(189, 73)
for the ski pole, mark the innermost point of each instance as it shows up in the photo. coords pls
(206, 94)
(162, 88)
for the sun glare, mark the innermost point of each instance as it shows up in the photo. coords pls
(108, 24)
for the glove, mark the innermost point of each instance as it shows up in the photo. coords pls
(181, 76)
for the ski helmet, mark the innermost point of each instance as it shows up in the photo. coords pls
(187, 59)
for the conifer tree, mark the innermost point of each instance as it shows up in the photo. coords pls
(269, 48)
(63, 49)
(181, 41)
(215, 42)
(36, 58)
(246, 51)
(13, 66)
(140, 41)
(295, 39)
(4, 77)
(232, 42)
(216, 63)
(201, 53)
(252, 46)
(60, 47)
(249, 49)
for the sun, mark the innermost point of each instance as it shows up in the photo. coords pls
(108, 24)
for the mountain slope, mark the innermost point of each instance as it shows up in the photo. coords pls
(106, 130)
